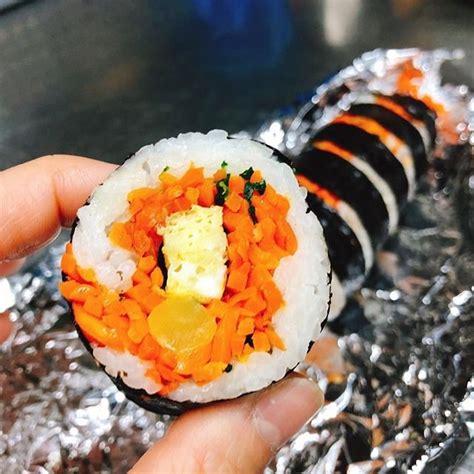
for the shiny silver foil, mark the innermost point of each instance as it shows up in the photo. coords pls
(398, 395)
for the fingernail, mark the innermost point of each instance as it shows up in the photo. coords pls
(284, 408)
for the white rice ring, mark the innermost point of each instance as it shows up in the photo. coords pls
(302, 277)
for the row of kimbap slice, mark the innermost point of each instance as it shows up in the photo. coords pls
(360, 170)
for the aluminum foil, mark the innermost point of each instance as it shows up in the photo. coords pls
(396, 382)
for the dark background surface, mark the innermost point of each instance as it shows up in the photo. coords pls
(101, 78)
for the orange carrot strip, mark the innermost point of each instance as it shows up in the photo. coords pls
(157, 277)
(113, 320)
(209, 372)
(192, 178)
(221, 173)
(258, 275)
(93, 306)
(246, 352)
(245, 327)
(68, 266)
(174, 192)
(260, 257)
(169, 374)
(261, 323)
(168, 358)
(207, 192)
(108, 297)
(273, 296)
(149, 348)
(74, 291)
(150, 302)
(268, 227)
(147, 264)
(275, 339)
(291, 244)
(141, 193)
(86, 274)
(138, 292)
(261, 342)
(96, 329)
(237, 279)
(141, 277)
(114, 307)
(233, 201)
(237, 184)
(167, 179)
(217, 308)
(255, 304)
(133, 309)
(221, 344)
(242, 296)
(283, 205)
(234, 221)
(154, 375)
(192, 195)
(333, 148)
(195, 360)
(136, 206)
(257, 233)
(168, 388)
(138, 330)
(140, 241)
(256, 176)
(237, 345)
(119, 236)
(221, 350)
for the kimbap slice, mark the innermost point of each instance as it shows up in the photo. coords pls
(402, 128)
(397, 147)
(377, 181)
(388, 102)
(196, 273)
(345, 252)
(369, 148)
(350, 185)
(348, 217)
(419, 111)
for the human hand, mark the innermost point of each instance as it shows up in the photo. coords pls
(40, 197)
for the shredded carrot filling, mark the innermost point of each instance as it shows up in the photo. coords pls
(409, 84)
(395, 108)
(258, 237)
(373, 127)
(333, 148)
(324, 194)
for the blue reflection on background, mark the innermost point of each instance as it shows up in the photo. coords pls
(244, 35)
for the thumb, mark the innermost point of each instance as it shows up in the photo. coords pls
(235, 436)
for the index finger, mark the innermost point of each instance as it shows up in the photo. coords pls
(38, 197)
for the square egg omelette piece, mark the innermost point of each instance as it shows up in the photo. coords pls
(195, 247)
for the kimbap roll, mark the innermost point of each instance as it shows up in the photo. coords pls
(196, 272)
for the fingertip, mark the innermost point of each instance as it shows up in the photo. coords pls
(6, 327)
(283, 409)
(10, 267)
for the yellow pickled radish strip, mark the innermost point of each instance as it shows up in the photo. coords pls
(182, 325)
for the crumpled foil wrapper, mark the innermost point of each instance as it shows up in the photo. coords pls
(398, 394)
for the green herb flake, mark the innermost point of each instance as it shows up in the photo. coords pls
(165, 169)
(222, 187)
(224, 164)
(250, 188)
(248, 191)
(260, 186)
(247, 174)
(252, 213)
